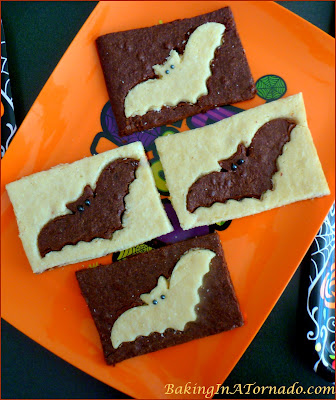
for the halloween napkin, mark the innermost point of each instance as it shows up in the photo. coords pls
(8, 125)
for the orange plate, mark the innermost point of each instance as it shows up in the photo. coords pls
(262, 251)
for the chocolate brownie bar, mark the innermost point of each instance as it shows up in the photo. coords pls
(254, 161)
(138, 56)
(87, 209)
(138, 306)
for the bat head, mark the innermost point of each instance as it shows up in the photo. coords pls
(83, 201)
(173, 62)
(158, 294)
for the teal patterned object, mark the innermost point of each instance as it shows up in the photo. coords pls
(321, 298)
(271, 87)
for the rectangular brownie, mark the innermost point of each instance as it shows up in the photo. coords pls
(256, 160)
(87, 209)
(162, 298)
(128, 58)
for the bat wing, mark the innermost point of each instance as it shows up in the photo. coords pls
(175, 309)
(248, 172)
(94, 214)
(181, 77)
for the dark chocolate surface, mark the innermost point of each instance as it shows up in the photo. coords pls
(111, 290)
(248, 172)
(127, 59)
(95, 214)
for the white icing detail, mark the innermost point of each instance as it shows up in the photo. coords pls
(175, 310)
(186, 82)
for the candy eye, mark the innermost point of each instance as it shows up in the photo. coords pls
(80, 208)
(163, 296)
(240, 162)
(155, 302)
(234, 167)
(87, 202)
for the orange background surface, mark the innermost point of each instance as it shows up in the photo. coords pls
(260, 252)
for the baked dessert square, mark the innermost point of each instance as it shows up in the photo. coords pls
(254, 161)
(87, 209)
(161, 74)
(162, 298)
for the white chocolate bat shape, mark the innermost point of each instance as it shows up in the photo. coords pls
(182, 78)
(171, 304)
